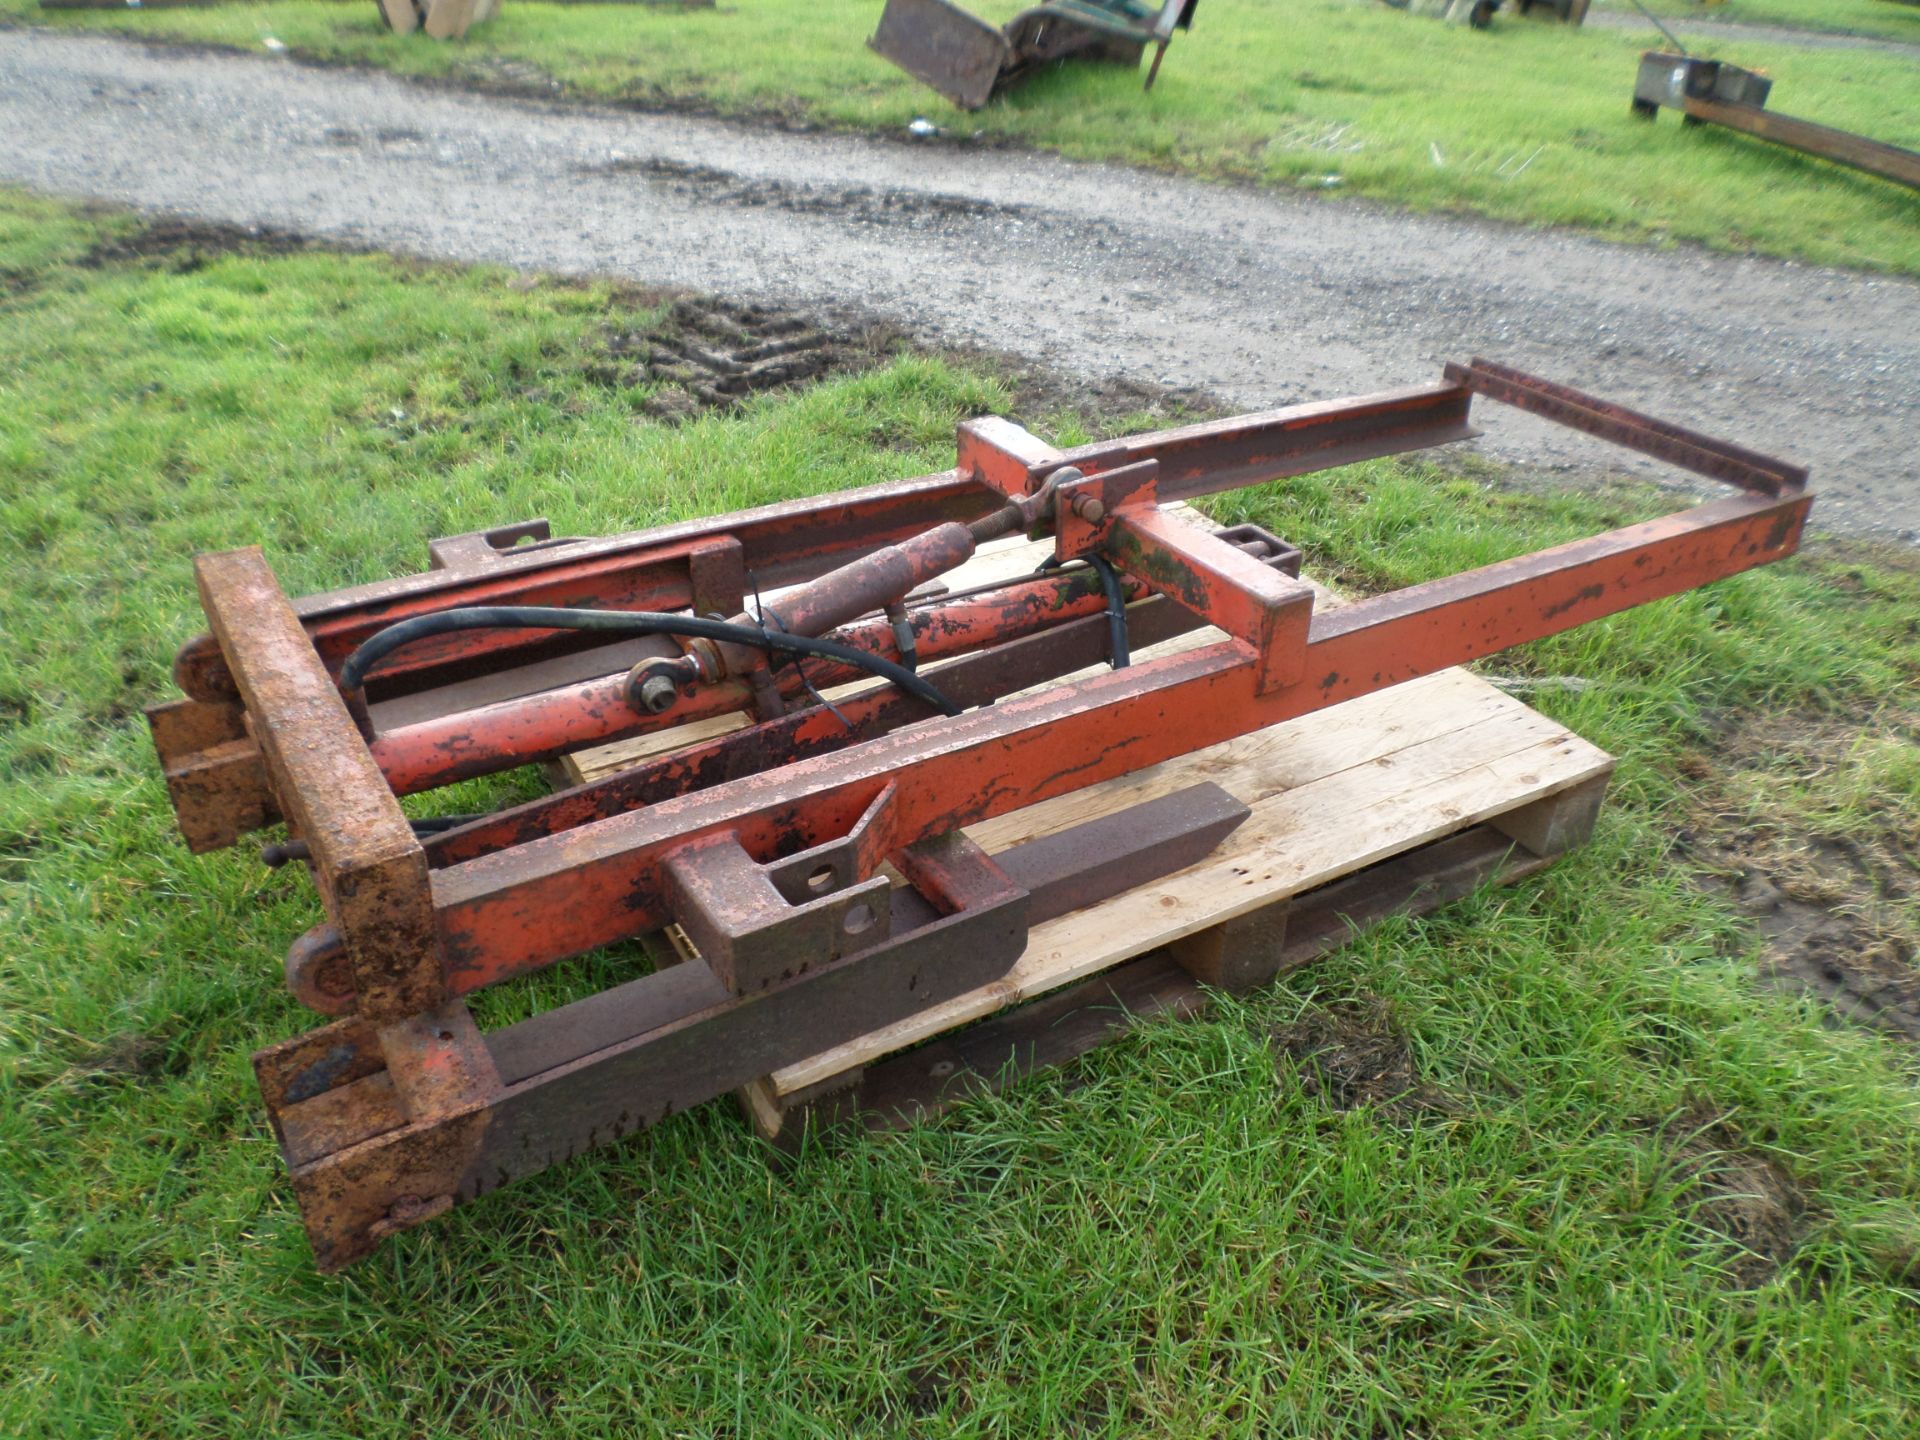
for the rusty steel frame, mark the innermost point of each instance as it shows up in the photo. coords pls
(766, 844)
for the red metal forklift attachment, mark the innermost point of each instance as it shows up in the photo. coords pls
(815, 857)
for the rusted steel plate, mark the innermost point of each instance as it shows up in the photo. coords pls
(952, 873)
(944, 47)
(180, 727)
(316, 1062)
(215, 776)
(1087, 509)
(219, 794)
(338, 1119)
(352, 1199)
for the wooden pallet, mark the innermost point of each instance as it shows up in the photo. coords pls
(1396, 802)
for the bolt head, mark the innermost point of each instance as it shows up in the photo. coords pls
(1089, 508)
(658, 694)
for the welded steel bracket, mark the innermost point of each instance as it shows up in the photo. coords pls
(758, 925)
(1116, 513)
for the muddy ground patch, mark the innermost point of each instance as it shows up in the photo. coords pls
(712, 354)
(1801, 822)
(183, 245)
(863, 204)
(697, 353)
(1352, 1055)
(1747, 1207)
(706, 353)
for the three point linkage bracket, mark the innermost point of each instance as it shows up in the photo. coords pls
(817, 855)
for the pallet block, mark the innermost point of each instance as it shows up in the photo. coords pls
(1393, 803)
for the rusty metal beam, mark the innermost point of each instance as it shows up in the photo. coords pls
(1876, 157)
(370, 869)
(1662, 439)
(1715, 92)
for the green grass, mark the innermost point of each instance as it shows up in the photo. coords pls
(1526, 122)
(1178, 1237)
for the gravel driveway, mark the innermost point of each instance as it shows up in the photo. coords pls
(1258, 297)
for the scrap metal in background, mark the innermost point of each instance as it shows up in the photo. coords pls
(1713, 91)
(771, 846)
(1479, 13)
(1569, 12)
(969, 61)
(439, 19)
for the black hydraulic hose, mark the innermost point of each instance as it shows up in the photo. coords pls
(434, 824)
(353, 673)
(1119, 653)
